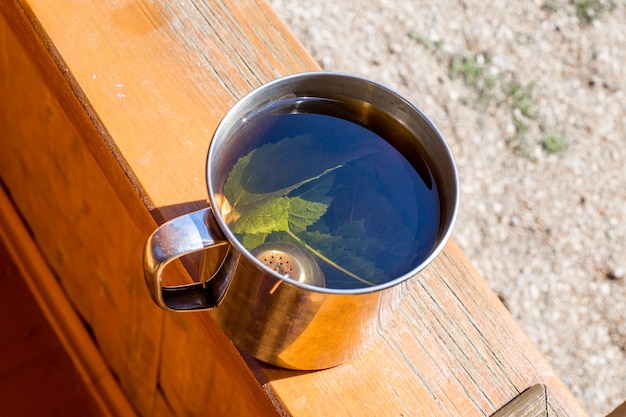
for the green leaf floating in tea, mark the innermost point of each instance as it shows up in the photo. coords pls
(269, 195)
(303, 213)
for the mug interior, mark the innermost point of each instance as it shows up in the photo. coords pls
(370, 104)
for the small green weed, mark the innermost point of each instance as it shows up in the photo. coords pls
(467, 67)
(427, 43)
(586, 10)
(521, 98)
(502, 90)
(490, 87)
(521, 127)
(555, 142)
(589, 10)
(551, 6)
(474, 71)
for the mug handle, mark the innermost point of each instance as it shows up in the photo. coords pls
(182, 236)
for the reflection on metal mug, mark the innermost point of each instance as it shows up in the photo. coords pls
(327, 192)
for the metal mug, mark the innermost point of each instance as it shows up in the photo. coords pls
(280, 319)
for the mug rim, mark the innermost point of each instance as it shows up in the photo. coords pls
(222, 130)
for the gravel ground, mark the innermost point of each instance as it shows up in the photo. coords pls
(531, 98)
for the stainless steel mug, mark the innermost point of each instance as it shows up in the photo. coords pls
(283, 319)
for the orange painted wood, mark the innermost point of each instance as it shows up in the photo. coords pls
(37, 376)
(452, 350)
(93, 243)
(50, 310)
(142, 85)
(620, 411)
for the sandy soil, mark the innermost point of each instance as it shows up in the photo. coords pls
(531, 97)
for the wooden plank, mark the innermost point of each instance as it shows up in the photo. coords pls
(530, 403)
(69, 205)
(93, 245)
(37, 377)
(146, 83)
(202, 375)
(620, 411)
(157, 121)
(452, 350)
(54, 312)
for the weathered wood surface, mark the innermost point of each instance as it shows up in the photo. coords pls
(93, 244)
(620, 411)
(37, 376)
(108, 115)
(452, 350)
(530, 403)
(87, 376)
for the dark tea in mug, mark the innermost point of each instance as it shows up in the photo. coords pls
(336, 179)
(326, 193)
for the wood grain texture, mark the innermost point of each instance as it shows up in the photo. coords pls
(75, 217)
(620, 411)
(93, 246)
(134, 92)
(530, 403)
(37, 376)
(86, 370)
(155, 78)
(452, 350)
